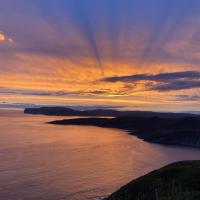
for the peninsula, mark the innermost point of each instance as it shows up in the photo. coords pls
(172, 131)
(163, 128)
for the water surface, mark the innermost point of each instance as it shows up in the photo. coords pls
(40, 161)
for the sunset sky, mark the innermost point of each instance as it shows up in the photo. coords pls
(142, 54)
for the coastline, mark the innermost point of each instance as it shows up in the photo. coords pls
(181, 132)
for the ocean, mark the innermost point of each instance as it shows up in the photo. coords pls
(39, 161)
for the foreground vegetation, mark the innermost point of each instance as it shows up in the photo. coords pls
(179, 181)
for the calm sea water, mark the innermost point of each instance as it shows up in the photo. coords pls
(39, 161)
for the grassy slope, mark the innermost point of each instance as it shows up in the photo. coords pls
(179, 181)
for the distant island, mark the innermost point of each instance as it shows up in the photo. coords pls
(163, 128)
(179, 181)
(64, 111)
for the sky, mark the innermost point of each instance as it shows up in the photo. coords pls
(138, 54)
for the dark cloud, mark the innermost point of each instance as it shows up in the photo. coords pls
(4, 90)
(178, 85)
(164, 81)
(187, 98)
(162, 77)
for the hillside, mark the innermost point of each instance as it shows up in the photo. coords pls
(179, 181)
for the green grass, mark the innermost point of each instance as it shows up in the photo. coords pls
(179, 181)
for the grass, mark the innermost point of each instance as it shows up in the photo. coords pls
(179, 181)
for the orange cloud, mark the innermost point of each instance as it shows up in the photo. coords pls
(3, 38)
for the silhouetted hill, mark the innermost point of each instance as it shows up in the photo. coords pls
(63, 111)
(174, 131)
(179, 181)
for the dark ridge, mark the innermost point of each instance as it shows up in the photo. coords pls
(63, 111)
(178, 181)
(174, 131)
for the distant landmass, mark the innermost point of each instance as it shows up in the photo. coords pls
(174, 131)
(64, 111)
(179, 181)
(163, 128)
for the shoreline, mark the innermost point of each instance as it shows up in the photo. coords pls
(179, 132)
